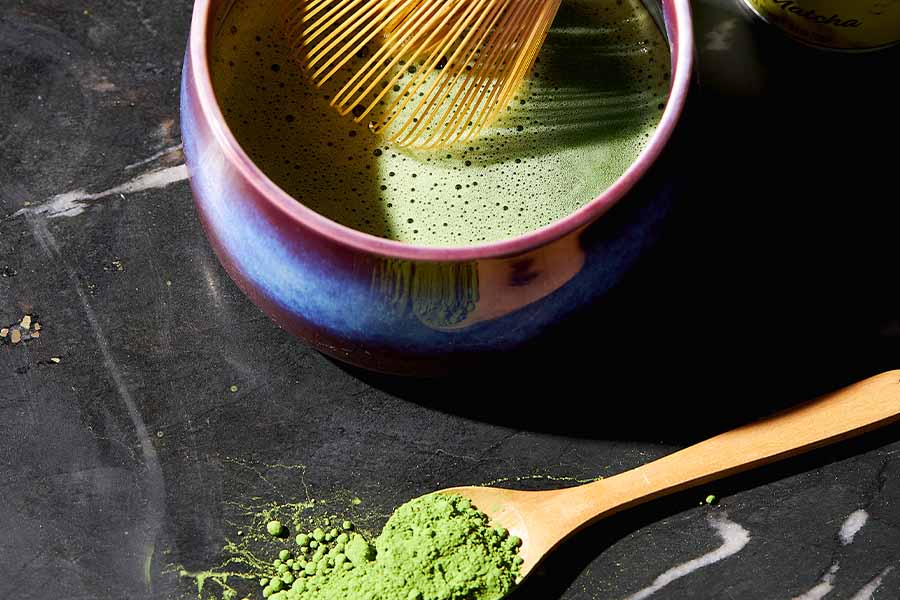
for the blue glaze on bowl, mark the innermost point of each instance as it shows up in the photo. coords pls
(396, 308)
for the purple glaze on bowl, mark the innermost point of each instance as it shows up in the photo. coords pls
(400, 308)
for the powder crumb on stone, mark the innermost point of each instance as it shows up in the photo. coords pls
(16, 336)
(275, 528)
(55, 360)
(233, 389)
(26, 322)
(4, 332)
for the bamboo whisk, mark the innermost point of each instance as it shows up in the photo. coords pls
(463, 60)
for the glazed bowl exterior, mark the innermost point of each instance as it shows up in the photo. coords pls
(398, 308)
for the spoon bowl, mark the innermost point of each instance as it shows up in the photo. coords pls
(543, 519)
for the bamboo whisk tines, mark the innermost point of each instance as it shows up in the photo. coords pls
(423, 73)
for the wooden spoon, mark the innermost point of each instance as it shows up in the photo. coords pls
(543, 519)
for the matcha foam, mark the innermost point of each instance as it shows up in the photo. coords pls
(580, 119)
(436, 547)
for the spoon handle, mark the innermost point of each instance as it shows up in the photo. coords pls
(839, 415)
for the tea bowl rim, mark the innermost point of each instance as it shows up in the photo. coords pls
(296, 212)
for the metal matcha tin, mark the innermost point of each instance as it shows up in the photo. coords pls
(834, 24)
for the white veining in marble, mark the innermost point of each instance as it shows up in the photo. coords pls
(849, 528)
(852, 524)
(155, 490)
(71, 204)
(868, 590)
(823, 588)
(171, 150)
(734, 538)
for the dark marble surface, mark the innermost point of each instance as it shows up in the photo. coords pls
(123, 450)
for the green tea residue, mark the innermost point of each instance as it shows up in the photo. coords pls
(436, 547)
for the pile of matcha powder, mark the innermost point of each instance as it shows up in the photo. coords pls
(436, 547)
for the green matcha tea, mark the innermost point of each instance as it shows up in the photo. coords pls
(434, 547)
(580, 119)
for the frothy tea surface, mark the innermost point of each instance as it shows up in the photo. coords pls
(581, 118)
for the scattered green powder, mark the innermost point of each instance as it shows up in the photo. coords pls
(436, 547)
(468, 552)
(710, 499)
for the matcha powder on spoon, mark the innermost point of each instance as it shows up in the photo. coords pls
(436, 547)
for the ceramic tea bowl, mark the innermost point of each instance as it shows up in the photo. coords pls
(401, 308)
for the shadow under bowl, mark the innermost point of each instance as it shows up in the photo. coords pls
(405, 309)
